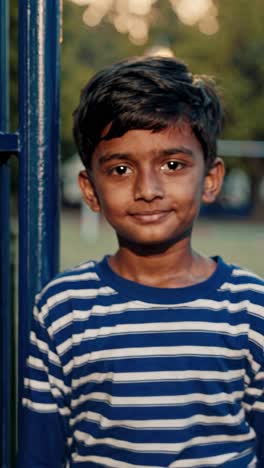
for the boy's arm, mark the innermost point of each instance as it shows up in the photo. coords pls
(43, 430)
(254, 406)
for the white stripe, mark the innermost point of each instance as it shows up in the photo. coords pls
(240, 272)
(160, 424)
(257, 406)
(242, 287)
(255, 366)
(215, 305)
(79, 293)
(87, 275)
(160, 351)
(162, 376)
(165, 400)
(41, 407)
(65, 346)
(255, 309)
(60, 384)
(41, 314)
(260, 376)
(89, 440)
(83, 315)
(257, 338)
(69, 441)
(109, 462)
(208, 461)
(37, 385)
(253, 391)
(158, 327)
(83, 266)
(247, 379)
(69, 294)
(253, 464)
(123, 307)
(41, 386)
(61, 323)
(199, 303)
(45, 407)
(36, 363)
(43, 346)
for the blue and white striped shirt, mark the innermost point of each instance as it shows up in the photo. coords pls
(123, 375)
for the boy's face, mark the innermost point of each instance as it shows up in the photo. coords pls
(149, 186)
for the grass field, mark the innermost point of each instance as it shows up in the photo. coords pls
(240, 242)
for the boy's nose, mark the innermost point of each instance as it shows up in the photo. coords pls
(148, 186)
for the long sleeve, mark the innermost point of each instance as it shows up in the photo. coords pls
(44, 428)
(254, 406)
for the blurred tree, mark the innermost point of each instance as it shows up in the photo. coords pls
(233, 55)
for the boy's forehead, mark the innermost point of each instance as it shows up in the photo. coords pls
(175, 135)
(181, 125)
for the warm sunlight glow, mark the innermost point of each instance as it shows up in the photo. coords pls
(121, 23)
(191, 12)
(81, 2)
(95, 12)
(140, 7)
(138, 31)
(209, 25)
(159, 51)
(134, 17)
(92, 17)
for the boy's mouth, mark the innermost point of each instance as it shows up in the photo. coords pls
(150, 216)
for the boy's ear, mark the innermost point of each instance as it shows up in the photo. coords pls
(88, 191)
(213, 181)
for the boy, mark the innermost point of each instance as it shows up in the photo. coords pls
(152, 357)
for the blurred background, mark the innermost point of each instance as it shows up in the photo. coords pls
(221, 38)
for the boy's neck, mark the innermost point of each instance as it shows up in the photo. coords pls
(177, 266)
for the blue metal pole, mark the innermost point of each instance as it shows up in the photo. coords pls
(5, 302)
(39, 28)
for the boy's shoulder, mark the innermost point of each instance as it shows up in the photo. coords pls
(243, 289)
(242, 279)
(81, 281)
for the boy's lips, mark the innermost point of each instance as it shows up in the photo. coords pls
(150, 216)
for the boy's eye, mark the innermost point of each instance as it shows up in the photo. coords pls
(121, 170)
(172, 166)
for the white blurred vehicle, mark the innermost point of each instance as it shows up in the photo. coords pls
(71, 194)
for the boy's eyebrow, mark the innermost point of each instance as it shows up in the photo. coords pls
(106, 157)
(179, 149)
(103, 158)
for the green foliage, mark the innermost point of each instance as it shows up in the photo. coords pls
(233, 56)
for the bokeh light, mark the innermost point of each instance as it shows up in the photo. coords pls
(159, 51)
(134, 17)
(190, 12)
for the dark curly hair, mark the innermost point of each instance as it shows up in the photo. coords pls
(150, 93)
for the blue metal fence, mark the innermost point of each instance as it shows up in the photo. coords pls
(5, 308)
(37, 145)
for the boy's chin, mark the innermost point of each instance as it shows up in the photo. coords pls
(152, 246)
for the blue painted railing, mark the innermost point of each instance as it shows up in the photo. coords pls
(39, 29)
(37, 145)
(5, 299)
